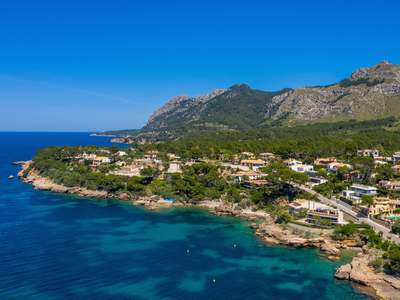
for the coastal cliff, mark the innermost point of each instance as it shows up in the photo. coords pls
(360, 272)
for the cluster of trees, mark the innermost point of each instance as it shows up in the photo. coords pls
(341, 139)
(350, 82)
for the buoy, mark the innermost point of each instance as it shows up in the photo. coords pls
(214, 280)
(234, 245)
(188, 251)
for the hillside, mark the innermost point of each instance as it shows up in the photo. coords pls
(368, 94)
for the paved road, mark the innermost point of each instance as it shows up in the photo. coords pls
(377, 227)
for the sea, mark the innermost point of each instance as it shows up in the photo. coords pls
(55, 246)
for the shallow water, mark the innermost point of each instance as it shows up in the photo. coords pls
(68, 247)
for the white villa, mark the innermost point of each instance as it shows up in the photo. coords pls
(250, 174)
(326, 213)
(120, 153)
(334, 167)
(175, 167)
(297, 204)
(301, 168)
(101, 160)
(357, 191)
(290, 161)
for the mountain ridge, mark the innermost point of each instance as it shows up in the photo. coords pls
(368, 94)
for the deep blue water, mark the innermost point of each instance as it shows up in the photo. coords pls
(67, 247)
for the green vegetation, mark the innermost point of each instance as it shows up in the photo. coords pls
(350, 82)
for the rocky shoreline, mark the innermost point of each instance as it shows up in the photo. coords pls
(358, 271)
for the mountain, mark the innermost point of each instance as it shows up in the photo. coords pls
(368, 94)
(236, 108)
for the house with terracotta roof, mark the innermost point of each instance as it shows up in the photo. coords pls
(129, 171)
(101, 160)
(389, 185)
(246, 154)
(152, 154)
(334, 167)
(254, 163)
(396, 169)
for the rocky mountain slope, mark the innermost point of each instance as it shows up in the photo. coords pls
(369, 93)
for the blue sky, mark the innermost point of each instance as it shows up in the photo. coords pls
(106, 65)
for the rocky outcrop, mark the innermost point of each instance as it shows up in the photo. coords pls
(328, 248)
(359, 271)
(386, 89)
(18, 163)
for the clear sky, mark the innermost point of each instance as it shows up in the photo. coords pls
(106, 65)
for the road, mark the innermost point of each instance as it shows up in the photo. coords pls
(377, 227)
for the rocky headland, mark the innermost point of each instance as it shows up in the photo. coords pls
(360, 272)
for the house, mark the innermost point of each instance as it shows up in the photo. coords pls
(334, 167)
(298, 204)
(129, 171)
(389, 185)
(173, 156)
(258, 183)
(325, 161)
(357, 191)
(369, 210)
(174, 167)
(252, 175)
(290, 161)
(101, 160)
(88, 156)
(246, 154)
(314, 181)
(326, 213)
(301, 168)
(119, 153)
(120, 163)
(152, 154)
(396, 169)
(374, 153)
(387, 203)
(266, 155)
(395, 158)
(254, 163)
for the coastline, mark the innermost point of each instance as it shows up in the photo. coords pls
(358, 271)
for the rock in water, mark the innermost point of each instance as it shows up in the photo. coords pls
(10, 177)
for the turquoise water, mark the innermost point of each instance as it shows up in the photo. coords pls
(68, 247)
